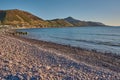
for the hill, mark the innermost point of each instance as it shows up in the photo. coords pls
(21, 18)
(59, 23)
(69, 21)
(76, 22)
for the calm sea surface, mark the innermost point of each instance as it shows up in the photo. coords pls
(103, 39)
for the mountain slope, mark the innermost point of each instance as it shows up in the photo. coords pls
(69, 21)
(76, 22)
(59, 23)
(19, 18)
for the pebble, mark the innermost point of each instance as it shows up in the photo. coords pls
(25, 65)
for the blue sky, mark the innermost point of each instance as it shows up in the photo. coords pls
(106, 11)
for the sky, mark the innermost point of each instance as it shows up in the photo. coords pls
(105, 11)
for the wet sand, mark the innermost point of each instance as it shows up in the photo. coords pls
(29, 59)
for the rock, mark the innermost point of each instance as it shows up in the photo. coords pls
(48, 67)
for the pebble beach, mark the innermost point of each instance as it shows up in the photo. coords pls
(28, 59)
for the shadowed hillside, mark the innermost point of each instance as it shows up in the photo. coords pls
(2, 16)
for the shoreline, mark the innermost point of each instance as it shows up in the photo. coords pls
(106, 60)
(23, 58)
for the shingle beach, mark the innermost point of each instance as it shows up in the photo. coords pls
(28, 59)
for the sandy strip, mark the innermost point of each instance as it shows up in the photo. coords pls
(29, 59)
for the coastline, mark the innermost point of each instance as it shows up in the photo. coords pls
(23, 58)
(106, 60)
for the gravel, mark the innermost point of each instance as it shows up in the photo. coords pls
(22, 60)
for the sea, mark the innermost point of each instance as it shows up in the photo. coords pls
(101, 39)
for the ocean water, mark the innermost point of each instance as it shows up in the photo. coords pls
(102, 39)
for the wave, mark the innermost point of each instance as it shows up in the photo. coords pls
(91, 42)
(101, 34)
